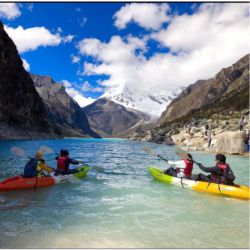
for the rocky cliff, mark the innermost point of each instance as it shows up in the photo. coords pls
(62, 109)
(22, 112)
(111, 119)
(219, 102)
(231, 83)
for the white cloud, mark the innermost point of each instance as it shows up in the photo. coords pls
(116, 50)
(30, 7)
(9, 10)
(59, 30)
(26, 65)
(66, 84)
(79, 98)
(82, 21)
(200, 45)
(75, 59)
(86, 87)
(68, 38)
(90, 46)
(77, 95)
(146, 15)
(213, 23)
(32, 38)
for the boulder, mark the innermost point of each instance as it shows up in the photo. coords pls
(147, 137)
(195, 130)
(230, 142)
(197, 142)
(199, 134)
(182, 136)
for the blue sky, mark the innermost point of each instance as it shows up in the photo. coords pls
(108, 41)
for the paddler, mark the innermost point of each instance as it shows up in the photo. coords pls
(63, 163)
(182, 168)
(220, 173)
(36, 167)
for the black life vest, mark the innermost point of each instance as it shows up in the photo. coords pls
(226, 176)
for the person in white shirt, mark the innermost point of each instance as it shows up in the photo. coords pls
(182, 168)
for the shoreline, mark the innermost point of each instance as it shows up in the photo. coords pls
(246, 154)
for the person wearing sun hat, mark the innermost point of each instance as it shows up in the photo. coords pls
(36, 166)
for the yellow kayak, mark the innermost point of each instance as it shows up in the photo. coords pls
(236, 191)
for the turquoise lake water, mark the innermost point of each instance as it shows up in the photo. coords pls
(122, 207)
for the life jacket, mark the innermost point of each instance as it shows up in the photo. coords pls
(39, 171)
(189, 167)
(61, 163)
(32, 168)
(226, 176)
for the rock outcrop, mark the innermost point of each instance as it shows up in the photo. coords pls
(22, 111)
(231, 142)
(110, 119)
(62, 109)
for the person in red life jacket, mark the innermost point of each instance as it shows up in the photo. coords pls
(220, 173)
(182, 168)
(63, 163)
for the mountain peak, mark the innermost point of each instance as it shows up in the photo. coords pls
(150, 103)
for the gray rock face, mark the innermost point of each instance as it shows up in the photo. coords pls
(62, 109)
(231, 142)
(110, 119)
(21, 108)
(229, 82)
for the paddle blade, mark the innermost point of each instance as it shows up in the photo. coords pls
(183, 154)
(46, 150)
(150, 151)
(17, 151)
(97, 169)
(73, 179)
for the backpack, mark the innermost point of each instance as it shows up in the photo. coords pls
(30, 169)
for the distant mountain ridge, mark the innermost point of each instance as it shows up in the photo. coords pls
(219, 101)
(228, 82)
(62, 109)
(22, 111)
(110, 119)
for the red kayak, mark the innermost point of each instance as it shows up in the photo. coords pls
(18, 182)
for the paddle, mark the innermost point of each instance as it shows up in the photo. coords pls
(152, 152)
(46, 150)
(183, 154)
(72, 179)
(95, 168)
(18, 151)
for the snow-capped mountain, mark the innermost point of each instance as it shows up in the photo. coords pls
(151, 103)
